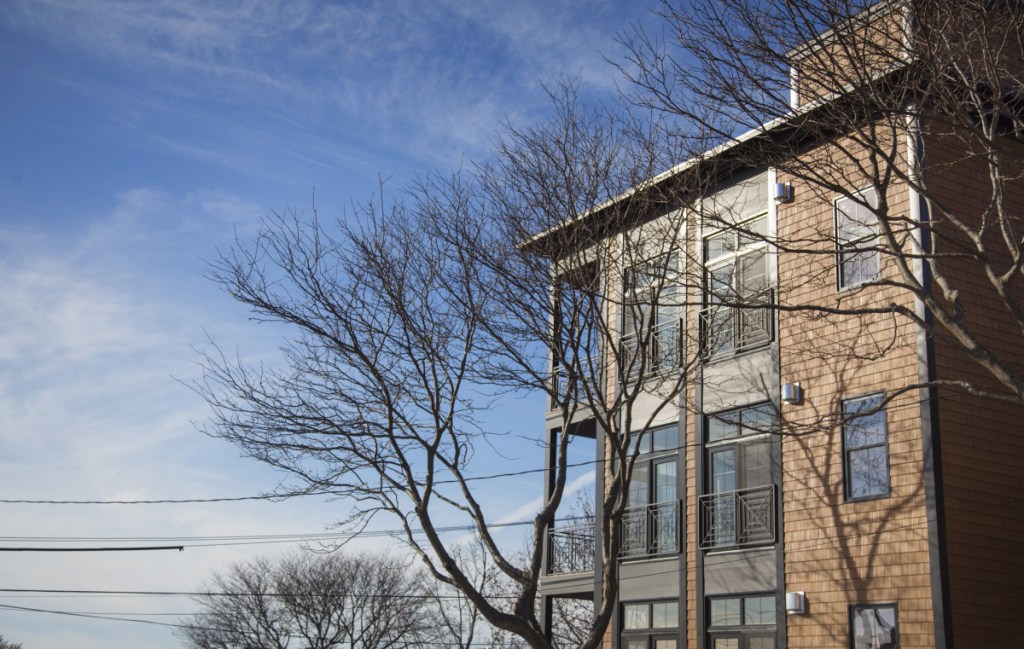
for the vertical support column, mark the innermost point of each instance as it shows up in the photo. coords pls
(550, 458)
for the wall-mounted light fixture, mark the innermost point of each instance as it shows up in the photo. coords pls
(783, 192)
(792, 393)
(796, 603)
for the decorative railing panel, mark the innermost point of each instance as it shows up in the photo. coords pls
(571, 549)
(570, 381)
(732, 328)
(651, 530)
(738, 518)
(660, 349)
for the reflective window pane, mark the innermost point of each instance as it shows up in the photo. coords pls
(722, 427)
(665, 481)
(868, 472)
(767, 642)
(639, 485)
(665, 438)
(874, 627)
(719, 245)
(856, 238)
(753, 275)
(757, 464)
(636, 616)
(720, 284)
(864, 422)
(865, 447)
(725, 612)
(723, 470)
(759, 419)
(759, 610)
(665, 615)
(727, 643)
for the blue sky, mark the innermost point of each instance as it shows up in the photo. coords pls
(139, 138)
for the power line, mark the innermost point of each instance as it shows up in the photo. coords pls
(149, 548)
(119, 617)
(280, 497)
(94, 616)
(256, 539)
(269, 497)
(187, 593)
(166, 501)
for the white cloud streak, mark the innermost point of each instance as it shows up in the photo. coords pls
(421, 76)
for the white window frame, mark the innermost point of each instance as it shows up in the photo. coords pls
(661, 335)
(864, 247)
(733, 314)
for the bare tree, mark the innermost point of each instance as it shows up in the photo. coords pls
(861, 102)
(313, 600)
(410, 318)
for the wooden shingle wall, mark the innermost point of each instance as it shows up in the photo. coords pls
(982, 441)
(843, 553)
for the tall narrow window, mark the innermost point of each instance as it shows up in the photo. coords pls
(874, 626)
(857, 238)
(736, 290)
(651, 317)
(575, 338)
(865, 448)
(738, 506)
(651, 523)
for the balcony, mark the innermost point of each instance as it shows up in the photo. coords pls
(730, 329)
(662, 351)
(569, 381)
(571, 549)
(737, 519)
(651, 530)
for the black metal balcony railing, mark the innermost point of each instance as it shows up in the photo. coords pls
(651, 530)
(571, 549)
(730, 329)
(660, 348)
(570, 381)
(737, 518)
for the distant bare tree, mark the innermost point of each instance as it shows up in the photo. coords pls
(314, 601)
(6, 644)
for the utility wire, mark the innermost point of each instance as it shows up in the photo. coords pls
(118, 617)
(201, 541)
(269, 497)
(300, 494)
(148, 548)
(186, 593)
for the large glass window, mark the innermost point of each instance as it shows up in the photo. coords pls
(736, 290)
(865, 448)
(738, 507)
(874, 626)
(650, 625)
(651, 523)
(857, 238)
(651, 317)
(575, 351)
(741, 622)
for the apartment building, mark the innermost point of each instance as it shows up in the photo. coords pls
(809, 475)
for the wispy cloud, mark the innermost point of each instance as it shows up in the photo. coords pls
(426, 77)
